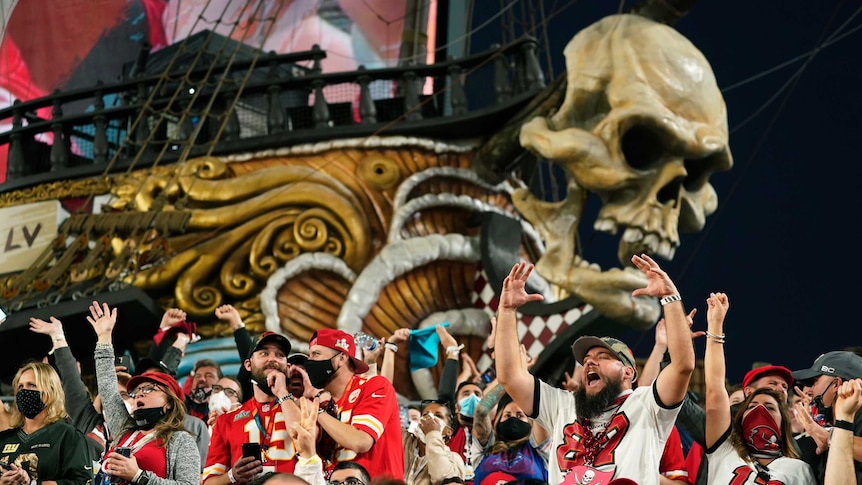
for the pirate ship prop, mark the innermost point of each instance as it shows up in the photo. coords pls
(223, 174)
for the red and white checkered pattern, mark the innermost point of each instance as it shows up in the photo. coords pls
(535, 332)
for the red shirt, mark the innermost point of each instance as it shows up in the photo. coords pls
(369, 404)
(150, 453)
(254, 422)
(673, 465)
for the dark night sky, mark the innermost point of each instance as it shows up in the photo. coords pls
(780, 244)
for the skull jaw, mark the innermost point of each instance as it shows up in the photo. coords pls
(609, 292)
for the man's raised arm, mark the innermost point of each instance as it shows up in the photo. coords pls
(672, 382)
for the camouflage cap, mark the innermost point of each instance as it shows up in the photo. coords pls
(583, 344)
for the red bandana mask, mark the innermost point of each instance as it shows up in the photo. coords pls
(761, 434)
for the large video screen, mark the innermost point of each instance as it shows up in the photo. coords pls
(67, 44)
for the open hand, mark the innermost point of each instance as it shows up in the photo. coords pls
(102, 318)
(53, 329)
(659, 283)
(514, 294)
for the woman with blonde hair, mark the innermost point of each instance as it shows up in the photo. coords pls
(755, 446)
(41, 447)
(150, 446)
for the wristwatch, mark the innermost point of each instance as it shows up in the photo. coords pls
(144, 479)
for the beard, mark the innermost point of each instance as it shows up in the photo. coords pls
(258, 374)
(591, 407)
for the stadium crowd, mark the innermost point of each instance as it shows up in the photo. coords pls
(332, 416)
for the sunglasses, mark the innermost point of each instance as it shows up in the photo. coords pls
(226, 390)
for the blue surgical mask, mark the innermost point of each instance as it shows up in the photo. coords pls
(468, 405)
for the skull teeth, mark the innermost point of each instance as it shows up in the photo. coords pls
(605, 225)
(650, 242)
(633, 235)
(583, 263)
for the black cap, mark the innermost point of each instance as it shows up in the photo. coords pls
(148, 363)
(297, 358)
(838, 363)
(274, 338)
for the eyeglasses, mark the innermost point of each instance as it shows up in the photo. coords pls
(349, 481)
(144, 390)
(227, 391)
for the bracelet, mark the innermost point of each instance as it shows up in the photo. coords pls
(715, 338)
(391, 346)
(670, 299)
(59, 339)
(281, 399)
(103, 345)
(137, 476)
(454, 349)
(842, 424)
(230, 476)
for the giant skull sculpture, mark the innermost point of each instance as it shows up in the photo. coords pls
(643, 125)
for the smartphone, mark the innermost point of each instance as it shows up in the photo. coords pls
(490, 374)
(122, 450)
(252, 449)
(125, 361)
(5, 467)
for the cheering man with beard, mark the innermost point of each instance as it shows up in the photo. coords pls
(604, 430)
(262, 419)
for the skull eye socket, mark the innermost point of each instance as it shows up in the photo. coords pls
(642, 147)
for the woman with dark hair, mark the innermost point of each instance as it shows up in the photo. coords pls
(41, 447)
(518, 444)
(159, 449)
(756, 446)
(428, 460)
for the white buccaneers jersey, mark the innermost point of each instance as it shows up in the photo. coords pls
(636, 435)
(726, 467)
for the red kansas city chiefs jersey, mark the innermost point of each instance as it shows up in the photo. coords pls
(254, 422)
(369, 405)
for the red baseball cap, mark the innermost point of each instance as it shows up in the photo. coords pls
(159, 378)
(497, 478)
(341, 341)
(758, 372)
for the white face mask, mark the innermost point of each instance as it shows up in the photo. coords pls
(219, 402)
(421, 434)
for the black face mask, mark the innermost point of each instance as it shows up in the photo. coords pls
(320, 372)
(513, 429)
(29, 402)
(263, 386)
(200, 395)
(147, 418)
(822, 414)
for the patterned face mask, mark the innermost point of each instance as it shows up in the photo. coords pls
(761, 434)
(29, 402)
